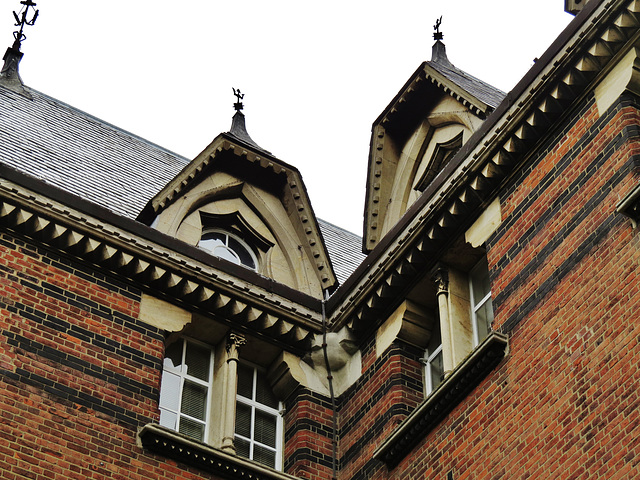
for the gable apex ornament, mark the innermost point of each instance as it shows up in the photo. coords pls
(10, 75)
(239, 96)
(437, 34)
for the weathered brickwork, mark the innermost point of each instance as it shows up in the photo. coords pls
(386, 393)
(78, 372)
(308, 449)
(564, 403)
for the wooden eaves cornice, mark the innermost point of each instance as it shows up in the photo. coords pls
(295, 189)
(157, 263)
(582, 54)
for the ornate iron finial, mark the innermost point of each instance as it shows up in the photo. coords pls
(438, 35)
(238, 105)
(21, 21)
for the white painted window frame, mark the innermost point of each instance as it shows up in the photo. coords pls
(242, 243)
(276, 412)
(428, 362)
(476, 304)
(182, 373)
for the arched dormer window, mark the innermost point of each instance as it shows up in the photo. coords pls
(229, 247)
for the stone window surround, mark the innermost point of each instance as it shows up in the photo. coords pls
(221, 407)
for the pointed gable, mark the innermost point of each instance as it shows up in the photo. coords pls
(436, 111)
(243, 204)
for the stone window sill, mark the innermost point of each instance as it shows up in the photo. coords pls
(443, 400)
(169, 443)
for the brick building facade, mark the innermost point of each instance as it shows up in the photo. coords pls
(204, 324)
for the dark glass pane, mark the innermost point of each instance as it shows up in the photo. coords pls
(265, 429)
(242, 447)
(173, 355)
(243, 254)
(245, 381)
(194, 400)
(218, 237)
(264, 395)
(243, 420)
(435, 340)
(264, 456)
(198, 359)
(191, 428)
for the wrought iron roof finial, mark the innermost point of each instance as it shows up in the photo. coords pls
(238, 105)
(21, 21)
(438, 35)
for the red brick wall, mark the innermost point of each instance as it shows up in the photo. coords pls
(564, 267)
(390, 388)
(78, 372)
(308, 449)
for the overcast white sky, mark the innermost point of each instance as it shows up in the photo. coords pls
(315, 74)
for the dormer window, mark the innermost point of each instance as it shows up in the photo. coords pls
(229, 247)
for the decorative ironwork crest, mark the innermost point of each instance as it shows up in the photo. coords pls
(21, 21)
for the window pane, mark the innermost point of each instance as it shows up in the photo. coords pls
(242, 447)
(264, 456)
(227, 254)
(197, 360)
(194, 400)
(173, 355)
(168, 419)
(212, 240)
(243, 420)
(264, 395)
(480, 282)
(265, 429)
(245, 381)
(436, 367)
(170, 391)
(484, 317)
(240, 250)
(435, 340)
(191, 428)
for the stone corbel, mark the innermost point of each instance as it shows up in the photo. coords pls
(624, 77)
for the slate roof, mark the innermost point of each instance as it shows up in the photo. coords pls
(83, 155)
(484, 92)
(476, 87)
(345, 249)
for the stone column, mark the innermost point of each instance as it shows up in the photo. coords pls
(234, 342)
(440, 275)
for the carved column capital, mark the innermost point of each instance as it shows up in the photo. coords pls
(440, 275)
(234, 342)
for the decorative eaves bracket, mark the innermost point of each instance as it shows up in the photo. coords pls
(150, 265)
(444, 399)
(179, 447)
